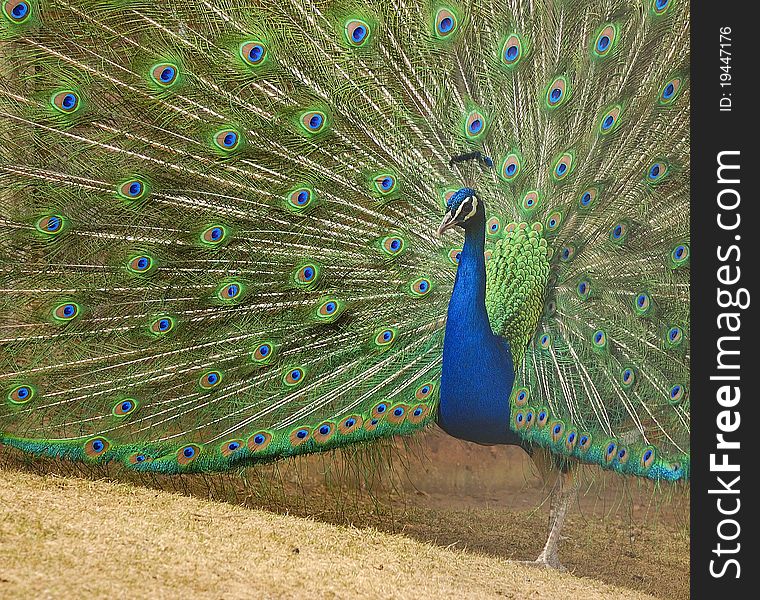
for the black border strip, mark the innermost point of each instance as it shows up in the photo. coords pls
(714, 131)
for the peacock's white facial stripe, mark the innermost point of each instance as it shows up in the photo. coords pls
(470, 204)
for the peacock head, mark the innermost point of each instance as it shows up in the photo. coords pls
(464, 208)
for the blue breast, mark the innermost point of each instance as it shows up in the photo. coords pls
(478, 371)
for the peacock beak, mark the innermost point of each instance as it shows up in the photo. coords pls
(448, 222)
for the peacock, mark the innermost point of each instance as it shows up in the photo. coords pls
(235, 231)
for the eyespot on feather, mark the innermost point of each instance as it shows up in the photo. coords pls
(385, 183)
(679, 256)
(424, 391)
(583, 289)
(227, 140)
(306, 275)
(584, 442)
(542, 417)
(259, 441)
(656, 172)
(162, 325)
(210, 380)
(445, 23)
(628, 378)
(66, 311)
(622, 455)
(214, 235)
(587, 197)
(557, 430)
(253, 53)
(230, 292)
(313, 121)
(519, 420)
(610, 452)
(299, 436)
(164, 74)
(660, 7)
(648, 457)
(329, 310)
(545, 341)
(124, 407)
(350, 424)
(324, 432)
(510, 167)
(417, 414)
(420, 287)
(521, 396)
(475, 125)
(65, 101)
(670, 91)
(605, 41)
(493, 226)
(553, 221)
(393, 245)
(571, 440)
(293, 376)
(531, 200)
(567, 253)
(642, 304)
(619, 232)
(300, 199)
(188, 454)
(138, 458)
(357, 32)
(231, 447)
(677, 394)
(21, 394)
(96, 447)
(50, 225)
(263, 352)
(379, 411)
(599, 339)
(17, 11)
(512, 50)
(385, 337)
(132, 189)
(557, 93)
(397, 414)
(562, 166)
(610, 120)
(140, 264)
(454, 255)
(674, 336)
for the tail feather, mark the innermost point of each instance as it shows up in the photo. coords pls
(221, 217)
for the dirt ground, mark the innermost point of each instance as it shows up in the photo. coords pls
(455, 512)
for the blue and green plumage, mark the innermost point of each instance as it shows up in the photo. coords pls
(219, 228)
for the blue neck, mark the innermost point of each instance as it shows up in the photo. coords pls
(478, 372)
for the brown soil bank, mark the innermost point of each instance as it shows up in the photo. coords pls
(73, 538)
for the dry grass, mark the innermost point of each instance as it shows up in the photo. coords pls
(71, 538)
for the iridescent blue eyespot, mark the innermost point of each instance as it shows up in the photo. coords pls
(512, 50)
(445, 23)
(17, 11)
(164, 74)
(259, 439)
(188, 452)
(660, 6)
(656, 172)
(253, 53)
(301, 434)
(324, 430)
(357, 32)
